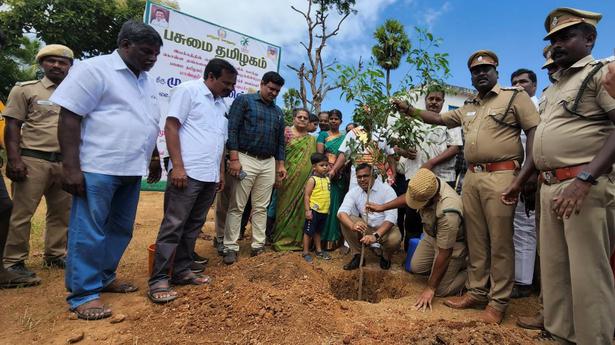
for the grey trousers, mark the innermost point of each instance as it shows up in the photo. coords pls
(184, 215)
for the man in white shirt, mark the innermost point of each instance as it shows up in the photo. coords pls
(196, 130)
(380, 226)
(524, 223)
(436, 152)
(107, 131)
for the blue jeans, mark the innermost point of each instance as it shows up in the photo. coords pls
(99, 231)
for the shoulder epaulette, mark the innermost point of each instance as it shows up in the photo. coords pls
(603, 61)
(512, 88)
(24, 83)
(470, 100)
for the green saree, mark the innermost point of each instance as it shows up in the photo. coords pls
(331, 235)
(290, 212)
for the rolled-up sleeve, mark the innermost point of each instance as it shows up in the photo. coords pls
(390, 215)
(280, 154)
(235, 115)
(348, 205)
(80, 91)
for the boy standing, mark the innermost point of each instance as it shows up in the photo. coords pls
(317, 200)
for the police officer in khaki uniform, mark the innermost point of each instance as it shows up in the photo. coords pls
(492, 122)
(442, 253)
(34, 160)
(574, 150)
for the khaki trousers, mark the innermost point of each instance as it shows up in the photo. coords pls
(579, 296)
(390, 241)
(259, 181)
(489, 234)
(44, 179)
(454, 278)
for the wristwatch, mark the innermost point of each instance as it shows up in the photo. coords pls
(377, 236)
(587, 177)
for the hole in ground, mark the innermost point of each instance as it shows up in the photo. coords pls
(377, 285)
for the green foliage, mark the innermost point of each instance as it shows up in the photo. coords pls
(17, 63)
(366, 87)
(392, 44)
(89, 28)
(292, 100)
(341, 6)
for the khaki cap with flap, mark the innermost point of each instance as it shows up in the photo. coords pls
(483, 57)
(55, 50)
(421, 188)
(563, 17)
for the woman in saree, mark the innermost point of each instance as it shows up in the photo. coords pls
(290, 213)
(329, 143)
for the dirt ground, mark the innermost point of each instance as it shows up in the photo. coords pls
(275, 298)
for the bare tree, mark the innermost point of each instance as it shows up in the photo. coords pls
(313, 75)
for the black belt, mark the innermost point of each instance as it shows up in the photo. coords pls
(48, 156)
(254, 155)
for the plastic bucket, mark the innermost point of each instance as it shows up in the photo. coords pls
(412, 244)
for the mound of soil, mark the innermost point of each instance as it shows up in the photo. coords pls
(278, 298)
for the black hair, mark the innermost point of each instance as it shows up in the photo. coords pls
(314, 118)
(323, 112)
(216, 66)
(297, 110)
(272, 77)
(435, 88)
(363, 166)
(138, 32)
(335, 112)
(521, 71)
(318, 157)
(350, 124)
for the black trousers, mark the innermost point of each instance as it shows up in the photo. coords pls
(185, 211)
(6, 206)
(408, 220)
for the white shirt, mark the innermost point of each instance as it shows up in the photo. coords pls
(355, 199)
(345, 147)
(120, 115)
(203, 131)
(437, 139)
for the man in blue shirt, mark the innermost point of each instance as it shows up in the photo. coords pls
(256, 150)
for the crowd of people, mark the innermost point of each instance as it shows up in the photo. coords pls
(537, 179)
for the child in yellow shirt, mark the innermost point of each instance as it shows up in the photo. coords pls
(316, 200)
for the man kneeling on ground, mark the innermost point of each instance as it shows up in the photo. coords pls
(442, 252)
(379, 228)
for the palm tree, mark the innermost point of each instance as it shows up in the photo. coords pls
(392, 44)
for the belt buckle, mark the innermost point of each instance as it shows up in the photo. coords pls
(549, 177)
(478, 168)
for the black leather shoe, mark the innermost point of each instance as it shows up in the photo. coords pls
(257, 252)
(55, 263)
(200, 259)
(354, 263)
(384, 263)
(20, 268)
(196, 267)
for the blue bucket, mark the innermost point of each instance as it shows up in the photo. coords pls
(412, 244)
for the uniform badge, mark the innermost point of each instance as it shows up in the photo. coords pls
(554, 22)
(470, 113)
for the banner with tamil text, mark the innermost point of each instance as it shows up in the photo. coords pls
(190, 42)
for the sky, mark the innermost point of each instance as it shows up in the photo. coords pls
(514, 30)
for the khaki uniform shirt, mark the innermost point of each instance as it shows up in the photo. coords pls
(486, 140)
(564, 139)
(29, 102)
(443, 221)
